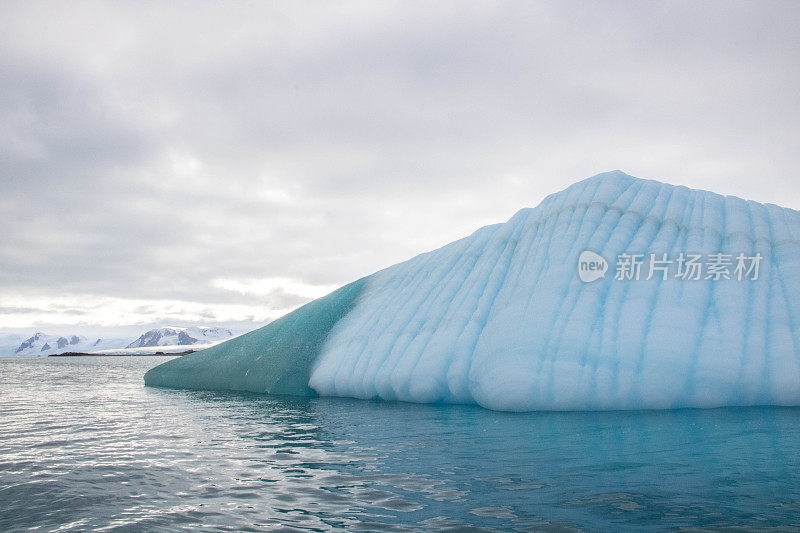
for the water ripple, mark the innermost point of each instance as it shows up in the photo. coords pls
(84, 446)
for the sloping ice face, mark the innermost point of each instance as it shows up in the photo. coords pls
(502, 318)
(274, 359)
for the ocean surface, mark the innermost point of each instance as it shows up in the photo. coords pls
(84, 446)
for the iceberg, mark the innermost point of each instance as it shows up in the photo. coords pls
(615, 293)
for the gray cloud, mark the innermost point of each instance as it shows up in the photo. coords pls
(19, 310)
(147, 150)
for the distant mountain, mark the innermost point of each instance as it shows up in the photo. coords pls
(172, 336)
(43, 344)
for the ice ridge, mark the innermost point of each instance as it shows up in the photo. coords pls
(502, 318)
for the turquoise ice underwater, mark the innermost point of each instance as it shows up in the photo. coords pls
(500, 318)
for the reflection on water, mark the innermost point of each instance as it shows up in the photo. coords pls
(84, 446)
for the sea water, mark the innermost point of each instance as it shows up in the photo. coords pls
(85, 446)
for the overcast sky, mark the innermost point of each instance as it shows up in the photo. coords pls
(222, 162)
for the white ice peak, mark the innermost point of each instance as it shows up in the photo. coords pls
(502, 318)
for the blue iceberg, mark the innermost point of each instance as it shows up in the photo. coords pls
(616, 293)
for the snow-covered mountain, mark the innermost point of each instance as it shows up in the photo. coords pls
(172, 336)
(43, 344)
